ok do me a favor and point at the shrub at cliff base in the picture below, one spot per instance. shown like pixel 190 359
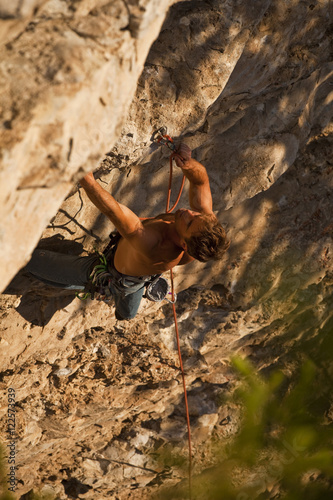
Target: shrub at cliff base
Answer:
pixel 283 449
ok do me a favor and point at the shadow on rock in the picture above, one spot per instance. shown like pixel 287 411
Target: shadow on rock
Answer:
pixel 57 243
pixel 39 302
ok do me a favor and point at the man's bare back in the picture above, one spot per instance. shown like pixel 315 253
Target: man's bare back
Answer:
pixel 162 255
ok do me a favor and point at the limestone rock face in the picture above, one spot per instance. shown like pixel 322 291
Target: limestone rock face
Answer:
pixel 67 79
pixel 248 85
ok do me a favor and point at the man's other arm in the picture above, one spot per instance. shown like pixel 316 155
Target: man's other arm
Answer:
pixel 199 192
pixel 126 221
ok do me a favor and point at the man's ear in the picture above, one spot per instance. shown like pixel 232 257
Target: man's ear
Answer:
pixel 184 246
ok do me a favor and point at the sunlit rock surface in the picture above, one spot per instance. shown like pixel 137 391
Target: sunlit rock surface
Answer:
pixel 67 78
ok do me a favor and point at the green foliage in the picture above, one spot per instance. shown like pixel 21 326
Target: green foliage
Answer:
pixel 283 447
pixel 170 457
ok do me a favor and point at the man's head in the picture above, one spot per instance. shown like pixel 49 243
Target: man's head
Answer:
pixel 202 236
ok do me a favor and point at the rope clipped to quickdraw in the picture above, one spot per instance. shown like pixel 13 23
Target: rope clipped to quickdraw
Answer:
pixel 165 139
pixel 161 137
pixel 172 156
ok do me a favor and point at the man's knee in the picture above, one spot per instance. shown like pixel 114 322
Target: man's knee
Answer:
pixel 127 316
pixel 128 306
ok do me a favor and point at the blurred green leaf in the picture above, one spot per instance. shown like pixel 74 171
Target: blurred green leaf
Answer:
pixel 283 445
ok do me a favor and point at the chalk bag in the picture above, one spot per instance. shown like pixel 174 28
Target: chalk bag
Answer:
pixel 158 290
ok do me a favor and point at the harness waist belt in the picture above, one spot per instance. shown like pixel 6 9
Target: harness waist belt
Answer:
pixel 124 279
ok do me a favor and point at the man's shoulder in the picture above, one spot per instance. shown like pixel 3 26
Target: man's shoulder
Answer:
pixel 159 218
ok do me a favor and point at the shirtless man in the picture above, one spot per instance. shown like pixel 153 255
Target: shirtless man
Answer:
pixel 153 246
pixel 156 245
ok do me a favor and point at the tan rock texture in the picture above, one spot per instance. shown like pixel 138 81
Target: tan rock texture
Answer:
pixel 67 79
pixel 248 85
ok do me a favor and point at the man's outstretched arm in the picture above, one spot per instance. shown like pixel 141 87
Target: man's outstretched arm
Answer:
pixel 126 221
pixel 200 193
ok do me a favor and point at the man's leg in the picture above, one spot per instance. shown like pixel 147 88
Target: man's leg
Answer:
pixel 60 270
pixel 127 306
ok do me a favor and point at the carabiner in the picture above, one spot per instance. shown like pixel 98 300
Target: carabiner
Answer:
pixel 160 136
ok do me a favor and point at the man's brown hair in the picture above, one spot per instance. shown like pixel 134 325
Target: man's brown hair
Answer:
pixel 209 244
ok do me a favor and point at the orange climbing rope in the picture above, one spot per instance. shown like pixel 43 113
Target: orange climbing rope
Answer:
pixel 168 210
pixel 161 137
pixel 185 392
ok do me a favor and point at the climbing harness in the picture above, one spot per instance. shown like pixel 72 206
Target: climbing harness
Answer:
pixel 104 276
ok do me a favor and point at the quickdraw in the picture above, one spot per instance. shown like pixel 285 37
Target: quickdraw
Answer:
pixel 160 136
pixel 99 273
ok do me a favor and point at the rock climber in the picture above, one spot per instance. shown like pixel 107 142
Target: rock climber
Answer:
pixel 142 249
